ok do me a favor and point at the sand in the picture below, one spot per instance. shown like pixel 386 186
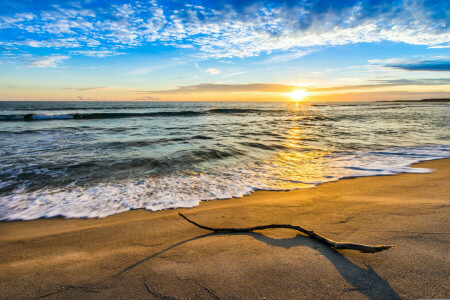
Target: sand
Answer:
pixel 141 254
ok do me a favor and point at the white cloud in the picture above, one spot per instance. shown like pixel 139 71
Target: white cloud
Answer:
pixel 213 71
pixel 59 43
pixel 46 61
pixel 25 16
pixel 440 47
pixel 287 57
pixel 226 32
pixel 97 53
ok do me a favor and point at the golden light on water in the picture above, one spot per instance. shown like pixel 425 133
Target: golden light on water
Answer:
pixel 298 95
pixel 301 164
pixel 294 137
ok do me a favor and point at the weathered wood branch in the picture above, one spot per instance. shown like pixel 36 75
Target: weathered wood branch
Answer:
pixel 310 233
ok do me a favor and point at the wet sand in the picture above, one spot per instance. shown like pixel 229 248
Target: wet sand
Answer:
pixel 141 254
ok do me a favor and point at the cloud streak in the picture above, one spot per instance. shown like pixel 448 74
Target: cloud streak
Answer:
pixel 436 65
pixel 287 88
pixel 384 83
pixel 100 88
pixel 97 53
pixel 51 61
pixel 230 88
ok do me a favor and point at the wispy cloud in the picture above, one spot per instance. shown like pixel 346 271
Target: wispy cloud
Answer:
pixel 214 87
pixel 98 53
pixel 51 61
pixel 287 56
pixel 51 43
pixel 100 88
pixel 213 71
pixel 151 68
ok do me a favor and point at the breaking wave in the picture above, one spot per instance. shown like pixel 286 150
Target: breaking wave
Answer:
pixel 183 189
pixel 114 115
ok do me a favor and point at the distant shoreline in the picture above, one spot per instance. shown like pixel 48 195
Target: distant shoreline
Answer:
pixel 423 100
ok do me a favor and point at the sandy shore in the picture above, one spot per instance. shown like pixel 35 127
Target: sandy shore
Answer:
pixel 141 254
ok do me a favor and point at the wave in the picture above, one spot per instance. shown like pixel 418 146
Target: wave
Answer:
pixel 236 110
pixel 109 115
pixel 180 189
pixel 263 146
pixel 38 106
pixel 34 117
pixel 74 108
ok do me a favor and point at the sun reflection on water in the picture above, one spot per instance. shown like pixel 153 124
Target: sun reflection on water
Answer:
pixel 302 165
pixel 294 137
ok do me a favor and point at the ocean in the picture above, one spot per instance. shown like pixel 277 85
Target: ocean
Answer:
pixel 94 159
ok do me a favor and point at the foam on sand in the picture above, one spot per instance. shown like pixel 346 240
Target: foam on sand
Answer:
pixel 287 171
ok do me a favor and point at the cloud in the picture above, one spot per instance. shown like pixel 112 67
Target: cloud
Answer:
pixel 81 98
pixel 97 53
pixel 380 83
pixel 147 98
pixel 262 70
pixel 213 87
pixel 439 47
pixel 436 64
pixel 52 43
pixel 225 29
pixel 287 56
pixel 213 71
pixel 51 61
pixel 286 88
pixel 379 96
pixel 101 88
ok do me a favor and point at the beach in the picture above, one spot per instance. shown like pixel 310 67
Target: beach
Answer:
pixel 142 254
pixel 224 149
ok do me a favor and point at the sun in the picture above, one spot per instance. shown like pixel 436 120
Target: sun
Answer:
pixel 298 95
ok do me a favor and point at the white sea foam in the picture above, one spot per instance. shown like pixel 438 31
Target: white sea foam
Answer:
pixel 286 171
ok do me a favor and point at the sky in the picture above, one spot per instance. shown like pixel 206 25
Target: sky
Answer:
pixel 236 50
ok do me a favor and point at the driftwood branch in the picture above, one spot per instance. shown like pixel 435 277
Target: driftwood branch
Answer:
pixel 310 233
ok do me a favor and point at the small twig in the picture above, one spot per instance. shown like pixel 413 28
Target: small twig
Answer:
pixel 310 233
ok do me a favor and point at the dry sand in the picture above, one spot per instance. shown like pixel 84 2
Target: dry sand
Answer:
pixel 141 254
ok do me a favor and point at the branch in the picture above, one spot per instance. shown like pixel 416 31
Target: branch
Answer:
pixel 310 233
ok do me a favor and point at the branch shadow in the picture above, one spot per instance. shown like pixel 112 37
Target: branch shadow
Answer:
pixel 160 252
pixel 366 281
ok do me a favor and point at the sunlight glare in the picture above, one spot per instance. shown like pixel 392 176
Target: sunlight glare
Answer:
pixel 298 95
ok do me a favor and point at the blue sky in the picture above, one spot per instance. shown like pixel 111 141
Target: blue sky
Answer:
pixel 224 50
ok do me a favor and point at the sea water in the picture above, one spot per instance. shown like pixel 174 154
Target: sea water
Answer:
pixel 94 159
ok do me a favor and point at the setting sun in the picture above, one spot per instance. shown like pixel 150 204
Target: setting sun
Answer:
pixel 298 95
